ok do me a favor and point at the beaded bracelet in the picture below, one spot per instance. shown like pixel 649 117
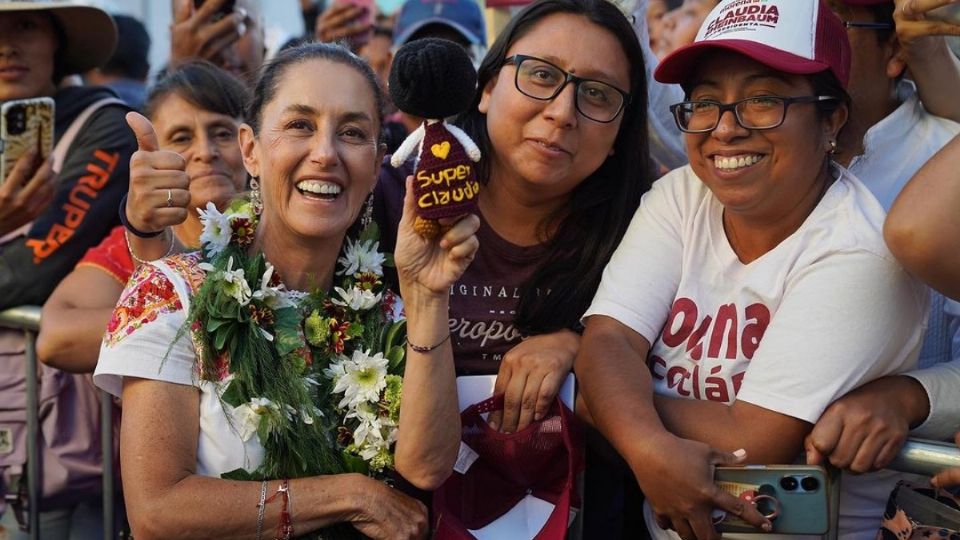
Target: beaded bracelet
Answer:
pixel 138 260
pixel 422 349
pixel 122 211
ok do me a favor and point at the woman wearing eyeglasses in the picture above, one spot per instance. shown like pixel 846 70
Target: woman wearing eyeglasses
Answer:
pixel 560 120
pixel 753 287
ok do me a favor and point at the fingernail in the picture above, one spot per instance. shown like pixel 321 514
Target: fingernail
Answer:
pixel 740 453
pixel 241 28
pixel 241 11
pixel 494 425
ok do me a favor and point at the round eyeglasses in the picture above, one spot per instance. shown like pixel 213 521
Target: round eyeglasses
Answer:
pixel 539 79
pixel 760 112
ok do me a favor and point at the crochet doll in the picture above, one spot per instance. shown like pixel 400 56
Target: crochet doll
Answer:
pixel 434 79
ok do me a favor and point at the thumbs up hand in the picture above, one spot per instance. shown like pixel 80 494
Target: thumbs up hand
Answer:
pixel 159 194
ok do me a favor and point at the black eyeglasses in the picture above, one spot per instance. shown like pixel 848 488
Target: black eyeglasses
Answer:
pixel 868 25
pixel 760 112
pixel 539 79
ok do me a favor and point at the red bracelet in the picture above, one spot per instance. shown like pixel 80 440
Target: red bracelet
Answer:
pixel 285 525
pixel 423 350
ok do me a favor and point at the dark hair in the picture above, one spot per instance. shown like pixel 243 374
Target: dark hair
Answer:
pixel 589 229
pixel 129 59
pixel 272 72
pixel 202 84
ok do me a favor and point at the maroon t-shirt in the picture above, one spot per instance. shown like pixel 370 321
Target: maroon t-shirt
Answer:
pixel 484 301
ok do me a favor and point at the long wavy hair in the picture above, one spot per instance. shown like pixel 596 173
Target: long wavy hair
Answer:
pixel 591 225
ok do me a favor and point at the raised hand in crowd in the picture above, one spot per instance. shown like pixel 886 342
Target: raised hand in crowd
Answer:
pixel 26 192
pixel 203 32
pixel 427 269
pixel 927 55
pixel 351 22
pixel 159 189
pixel 530 377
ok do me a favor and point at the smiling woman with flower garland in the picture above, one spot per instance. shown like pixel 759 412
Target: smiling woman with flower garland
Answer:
pixel 245 393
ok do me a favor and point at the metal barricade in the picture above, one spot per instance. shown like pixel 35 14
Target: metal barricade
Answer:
pixel 27 319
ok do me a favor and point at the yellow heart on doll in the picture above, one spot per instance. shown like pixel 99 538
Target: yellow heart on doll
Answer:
pixel 441 150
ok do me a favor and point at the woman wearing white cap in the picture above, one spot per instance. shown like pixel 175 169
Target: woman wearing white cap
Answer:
pixel 753 287
pixel 47 221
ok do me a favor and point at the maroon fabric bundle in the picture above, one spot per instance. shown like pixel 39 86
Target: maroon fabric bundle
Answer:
pixel 445 183
pixel 542 460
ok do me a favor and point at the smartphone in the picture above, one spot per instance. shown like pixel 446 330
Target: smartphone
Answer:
pixel 368 5
pixel 225 9
pixel 796 498
pixel 24 124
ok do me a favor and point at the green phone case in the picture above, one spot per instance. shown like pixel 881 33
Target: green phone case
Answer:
pixel 804 494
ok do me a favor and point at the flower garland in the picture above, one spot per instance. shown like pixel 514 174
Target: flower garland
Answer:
pixel 315 376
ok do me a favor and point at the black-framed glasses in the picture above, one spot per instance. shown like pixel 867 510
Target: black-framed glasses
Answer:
pixel 538 79
pixel 759 112
pixel 868 25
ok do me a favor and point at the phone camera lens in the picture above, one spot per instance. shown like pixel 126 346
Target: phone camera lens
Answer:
pixel 789 483
pixel 809 483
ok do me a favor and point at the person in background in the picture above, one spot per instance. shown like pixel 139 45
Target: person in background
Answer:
pixel 233 41
pixel 808 303
pixel 196 110
pixel 656 10
pixel 864 430
pixel 127 69
pixel 679 26
pixel 50 214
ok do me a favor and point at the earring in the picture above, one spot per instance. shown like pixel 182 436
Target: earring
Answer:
pixel 833 148
pixel 255 200
pixel 367 218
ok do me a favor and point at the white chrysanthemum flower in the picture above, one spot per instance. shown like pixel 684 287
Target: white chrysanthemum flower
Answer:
pixel 272 297
pixel 369 429
pixel 337 368
pixel 236 283
pixel 361 257
pixel 356 298
pixel 216 230
pixel 363 379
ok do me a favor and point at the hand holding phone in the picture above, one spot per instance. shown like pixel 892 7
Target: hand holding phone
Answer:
pixel 204 28
pixel 796 498
pixel 350 20
pixel 26 140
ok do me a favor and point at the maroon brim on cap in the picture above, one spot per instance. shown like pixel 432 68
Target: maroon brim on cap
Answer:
pixel 679 66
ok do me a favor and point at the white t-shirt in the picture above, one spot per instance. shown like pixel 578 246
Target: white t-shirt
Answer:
pixel 823 312
pixel 148 318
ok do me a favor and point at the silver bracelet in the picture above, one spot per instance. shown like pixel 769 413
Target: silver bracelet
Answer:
pixel 138 260
pixel 261 506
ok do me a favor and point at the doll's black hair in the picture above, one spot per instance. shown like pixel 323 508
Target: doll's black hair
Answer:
pixel 432 78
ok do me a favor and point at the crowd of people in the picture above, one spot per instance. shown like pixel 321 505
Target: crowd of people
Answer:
pixel 735 222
